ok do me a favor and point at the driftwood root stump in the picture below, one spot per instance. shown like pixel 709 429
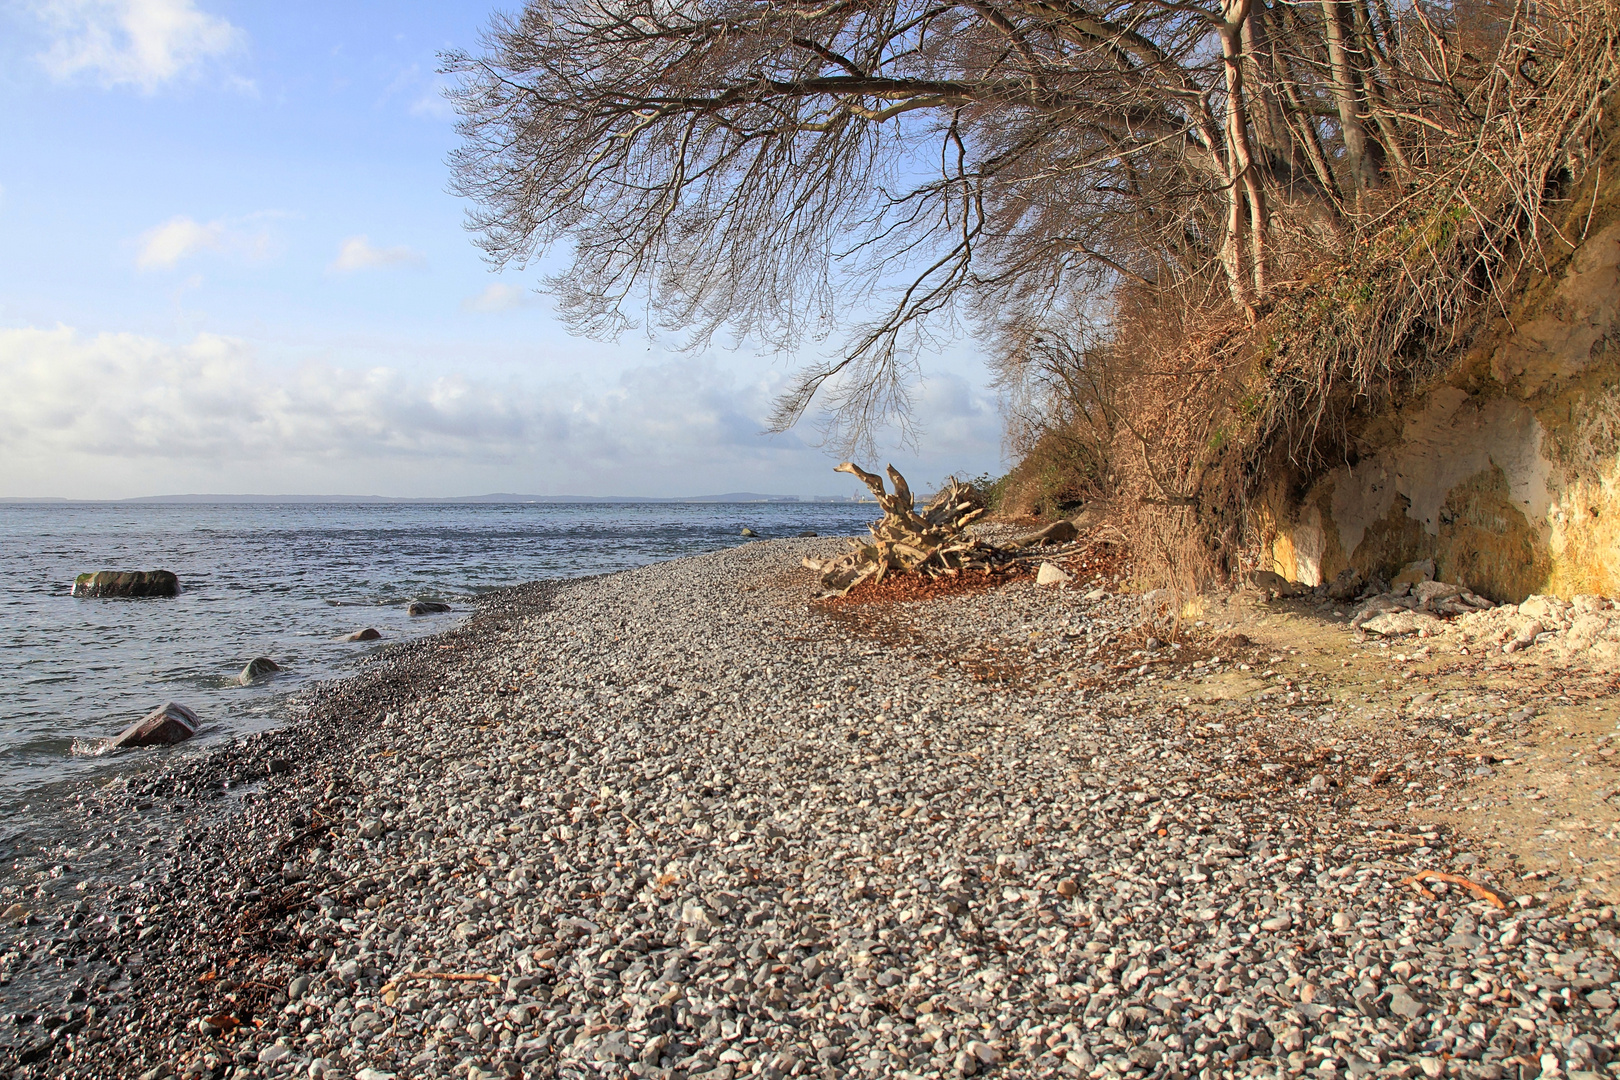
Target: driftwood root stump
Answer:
pixel 934 542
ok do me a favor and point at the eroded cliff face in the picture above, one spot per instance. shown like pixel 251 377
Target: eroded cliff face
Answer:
pixel 1507 473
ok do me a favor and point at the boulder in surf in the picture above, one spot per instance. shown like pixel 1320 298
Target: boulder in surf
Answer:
pixel 368 634
pixel 427 607
pixel 164 726
pixel 260 667
pixel 127 584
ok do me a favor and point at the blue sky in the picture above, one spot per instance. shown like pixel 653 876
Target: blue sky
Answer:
pixel 231 265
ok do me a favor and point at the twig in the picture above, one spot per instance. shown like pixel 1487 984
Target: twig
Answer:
pixel 1597 189
pixel 1490 896
pixel 448 976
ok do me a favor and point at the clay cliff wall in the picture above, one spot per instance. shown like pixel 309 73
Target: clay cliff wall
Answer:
pixel 1506 471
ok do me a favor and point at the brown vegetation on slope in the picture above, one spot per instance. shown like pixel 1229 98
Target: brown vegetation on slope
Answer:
pixel 1193 425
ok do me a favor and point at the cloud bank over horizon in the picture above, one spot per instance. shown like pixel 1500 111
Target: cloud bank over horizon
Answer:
pixel 116 414
pixel 235 267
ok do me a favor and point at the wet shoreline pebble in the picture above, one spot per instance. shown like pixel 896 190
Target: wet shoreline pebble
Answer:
pixel 676 822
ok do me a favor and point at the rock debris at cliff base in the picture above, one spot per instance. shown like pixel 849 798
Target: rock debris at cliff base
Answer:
pixel 688 825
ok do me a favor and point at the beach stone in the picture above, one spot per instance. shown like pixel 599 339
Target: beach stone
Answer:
pixel 1413 573
pixel 166 725
pixel 1052 574
pixel 368 634
pixel 1346 584
pixel 1432 592
pixel 1524 636
pixel 1402 1003
pixel 127 584
pixel 1548 609
pixel 260 667
pixel 748 532
pixel 1400 623
pixel 987 1054
pixel 427 607
pixel 1271 581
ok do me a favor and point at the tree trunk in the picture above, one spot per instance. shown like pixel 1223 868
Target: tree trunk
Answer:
pixel 1358 158
pixel 1261 81
pixel 1243 167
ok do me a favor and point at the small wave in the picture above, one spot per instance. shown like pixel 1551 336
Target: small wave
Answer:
pixel 90 747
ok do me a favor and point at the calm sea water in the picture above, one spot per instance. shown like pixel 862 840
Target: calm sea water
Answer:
pixel 283 581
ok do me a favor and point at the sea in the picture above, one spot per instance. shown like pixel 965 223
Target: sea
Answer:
pixel 284 581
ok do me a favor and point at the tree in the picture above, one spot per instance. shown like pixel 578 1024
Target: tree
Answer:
pixel 770 165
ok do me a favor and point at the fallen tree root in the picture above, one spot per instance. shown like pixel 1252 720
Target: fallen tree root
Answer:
pixel 1490 896
pixel 934 543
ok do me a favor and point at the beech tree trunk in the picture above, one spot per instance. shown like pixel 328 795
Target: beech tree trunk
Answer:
pixel 1357 149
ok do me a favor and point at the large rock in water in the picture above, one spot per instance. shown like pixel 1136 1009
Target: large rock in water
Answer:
pixel 260 667
pixel 427 607
pixel 370 633
pixel 127 583
pixel 163 726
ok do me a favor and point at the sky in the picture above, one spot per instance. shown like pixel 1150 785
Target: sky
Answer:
pixel 231 264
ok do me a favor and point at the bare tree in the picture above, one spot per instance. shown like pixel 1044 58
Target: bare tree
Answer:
pixel 770 167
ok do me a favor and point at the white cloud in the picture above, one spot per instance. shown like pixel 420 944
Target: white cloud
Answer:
pixel 358 253
pixel 180 237
pixel 432 103
pixel 426 91
pixel 144 43
pixel 500 297
pixel 125 414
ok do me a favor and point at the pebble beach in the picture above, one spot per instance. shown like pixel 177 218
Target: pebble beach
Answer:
pixel 681 822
